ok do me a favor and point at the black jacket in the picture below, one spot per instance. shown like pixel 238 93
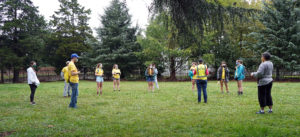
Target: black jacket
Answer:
pixel 219 73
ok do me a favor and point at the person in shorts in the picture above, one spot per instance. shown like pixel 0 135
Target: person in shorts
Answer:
pixel 99 78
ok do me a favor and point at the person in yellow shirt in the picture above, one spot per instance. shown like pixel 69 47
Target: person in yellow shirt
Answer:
pixel 193 68
pixel 223 76
pixel 73 80
pixel 201 77
pixel 65 76
pixel 116 73
pixel 99 78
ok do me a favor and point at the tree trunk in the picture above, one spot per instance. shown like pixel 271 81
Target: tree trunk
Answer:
pixel 172 69
pixel 277 73
pixel 2 75
pixel 16 75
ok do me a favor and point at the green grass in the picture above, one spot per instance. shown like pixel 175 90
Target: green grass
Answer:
pixel 171 111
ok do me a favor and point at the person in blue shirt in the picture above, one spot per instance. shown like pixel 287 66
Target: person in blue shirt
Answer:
pixel 239 75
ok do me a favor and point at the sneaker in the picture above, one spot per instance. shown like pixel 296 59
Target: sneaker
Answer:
pixel 270 111
pixel 260 112
pixel 33 103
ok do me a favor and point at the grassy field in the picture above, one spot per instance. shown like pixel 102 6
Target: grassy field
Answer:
pixel 171 111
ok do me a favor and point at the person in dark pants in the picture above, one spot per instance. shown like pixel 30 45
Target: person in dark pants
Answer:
pixel 33 81
pixel 265 81
pixel 201 77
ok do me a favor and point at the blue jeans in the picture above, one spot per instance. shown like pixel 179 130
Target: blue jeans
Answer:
pixel 74 95
pixel 202 84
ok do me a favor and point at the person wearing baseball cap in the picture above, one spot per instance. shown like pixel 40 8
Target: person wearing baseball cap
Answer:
pixel 65 75
pixel 73 79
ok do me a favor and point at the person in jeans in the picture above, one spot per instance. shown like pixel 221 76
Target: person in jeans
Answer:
pixel 223 76
pixel 65 75
pixel 73 79
pixel 33 81
pixel 239 75
pixel 201 80
pixel 265 81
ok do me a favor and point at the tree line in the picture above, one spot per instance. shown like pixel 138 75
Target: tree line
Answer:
pixel 179 32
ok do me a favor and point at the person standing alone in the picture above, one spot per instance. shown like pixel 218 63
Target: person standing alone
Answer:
pixel 265 82
pixel 65 75
pixel 201 77
pixel 74 80
pixel 33 81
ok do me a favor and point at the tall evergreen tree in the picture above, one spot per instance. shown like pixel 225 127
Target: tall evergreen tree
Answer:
pixel 281 35
pixel 70 31
pixel 21 29
pixel 117 40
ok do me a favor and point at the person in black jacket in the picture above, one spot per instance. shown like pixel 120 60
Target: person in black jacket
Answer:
pixel 223 76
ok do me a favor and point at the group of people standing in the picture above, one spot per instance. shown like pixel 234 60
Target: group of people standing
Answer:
pixel 198 73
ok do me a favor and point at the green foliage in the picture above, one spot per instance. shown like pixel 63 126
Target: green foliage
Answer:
pixel 162 45
pixel 117 41
pixel 281 35
pixel 70 32
pixel 22 34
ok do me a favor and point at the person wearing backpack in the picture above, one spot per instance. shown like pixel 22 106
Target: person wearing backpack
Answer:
pixel 65 75
pixel 239 75
pixel 223 76
pixel 201 74
pixel 33 81
pixel 150 77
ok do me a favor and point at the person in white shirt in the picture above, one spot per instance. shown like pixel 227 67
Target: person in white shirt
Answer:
pixel 33 81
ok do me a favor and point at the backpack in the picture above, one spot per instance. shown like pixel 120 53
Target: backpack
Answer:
pixel 150 71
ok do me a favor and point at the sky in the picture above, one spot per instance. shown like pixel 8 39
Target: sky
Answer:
pixel 137 8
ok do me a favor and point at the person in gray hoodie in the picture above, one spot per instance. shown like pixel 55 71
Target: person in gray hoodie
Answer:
pixel 265 81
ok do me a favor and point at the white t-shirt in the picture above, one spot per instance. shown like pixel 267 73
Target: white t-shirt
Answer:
pixel 31 77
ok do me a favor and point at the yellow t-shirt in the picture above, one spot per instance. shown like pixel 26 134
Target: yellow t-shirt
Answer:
pixel 66 73
pixel 223 73
pixel 72 68
pixel 201 70
pixel 115 71
pixel 194 76
pixel 99 72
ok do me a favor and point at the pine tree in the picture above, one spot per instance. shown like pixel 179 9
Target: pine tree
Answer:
pixel 281 37
pixel 70 31
pixel 21 29
pixel 117 40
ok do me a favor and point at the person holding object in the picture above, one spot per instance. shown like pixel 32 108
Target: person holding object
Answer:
pixel 223 76
pixel 73 79
pixel 265 81
pixel 99 78
pixel 116 77
pixel 33 81
pixel 201 77
pixel 191 74
pixel 239 75
pixel 155 77
pixel 65 75
pixel 150 74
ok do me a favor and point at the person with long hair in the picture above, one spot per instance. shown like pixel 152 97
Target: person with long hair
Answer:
pixel 99 78
pixel 265 81
pixel 65 75
pixel 33 81
pixel 239 75
pixel 150 77
pixel 193 77
pixel 116 73
pixel 223 76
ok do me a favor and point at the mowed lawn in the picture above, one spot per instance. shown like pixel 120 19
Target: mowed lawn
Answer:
pixel 171 111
